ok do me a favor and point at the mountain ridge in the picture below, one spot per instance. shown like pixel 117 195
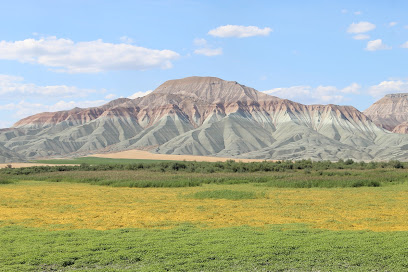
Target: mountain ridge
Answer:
pixel 207 116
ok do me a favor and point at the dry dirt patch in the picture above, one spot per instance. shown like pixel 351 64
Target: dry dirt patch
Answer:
pixel 145 155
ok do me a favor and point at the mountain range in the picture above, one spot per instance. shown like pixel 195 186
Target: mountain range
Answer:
pixel 212 117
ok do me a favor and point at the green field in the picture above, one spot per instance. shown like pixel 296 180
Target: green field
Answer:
pixel 191 216
pixel 280 248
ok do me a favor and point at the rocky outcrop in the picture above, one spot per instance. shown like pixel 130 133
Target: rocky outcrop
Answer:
pixel 401 128
pixel 390 111
pixel 208 116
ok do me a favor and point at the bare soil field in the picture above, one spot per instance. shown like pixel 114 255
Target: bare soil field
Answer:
pixel 145 155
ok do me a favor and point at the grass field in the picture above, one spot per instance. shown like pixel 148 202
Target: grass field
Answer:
pixel 149 220
pixel 279 248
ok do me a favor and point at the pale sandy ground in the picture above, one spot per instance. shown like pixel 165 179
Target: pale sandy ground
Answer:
pixel 27 164
pixel 139 154
pixel 145 155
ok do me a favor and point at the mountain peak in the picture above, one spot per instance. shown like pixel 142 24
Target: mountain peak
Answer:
pixel 389 111
pixel 397 95
pixel 211 90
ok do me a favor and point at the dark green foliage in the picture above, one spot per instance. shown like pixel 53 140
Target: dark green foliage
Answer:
pixel 191 249
pixel 202 167
pixel 4 180
pixel 396 164
pixel 349 162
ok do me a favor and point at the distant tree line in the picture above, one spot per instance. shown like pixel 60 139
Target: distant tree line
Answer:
pixel 212 167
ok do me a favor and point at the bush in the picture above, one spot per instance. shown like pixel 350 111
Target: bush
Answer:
pixel 5 181
pixel 396 164
pixel 349 162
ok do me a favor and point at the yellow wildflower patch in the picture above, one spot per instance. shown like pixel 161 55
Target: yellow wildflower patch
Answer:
pixel 83 206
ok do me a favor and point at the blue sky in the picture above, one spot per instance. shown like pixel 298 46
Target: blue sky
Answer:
pixel 55 55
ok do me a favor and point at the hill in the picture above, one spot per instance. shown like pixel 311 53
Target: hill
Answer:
pixel 207 116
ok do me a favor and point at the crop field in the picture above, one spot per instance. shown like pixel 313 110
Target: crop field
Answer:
pixel 168 217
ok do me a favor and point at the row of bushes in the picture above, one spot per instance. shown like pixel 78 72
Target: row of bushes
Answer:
pixel 211 167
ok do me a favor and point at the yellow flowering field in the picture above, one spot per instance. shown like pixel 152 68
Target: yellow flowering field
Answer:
pixel 81 206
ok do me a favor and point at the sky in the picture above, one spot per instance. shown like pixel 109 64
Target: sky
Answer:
pixel 57 55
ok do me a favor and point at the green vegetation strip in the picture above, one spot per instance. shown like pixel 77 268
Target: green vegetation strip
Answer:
pixel 225 194
pixel 143 178
pixel 286 174
pixel 190 249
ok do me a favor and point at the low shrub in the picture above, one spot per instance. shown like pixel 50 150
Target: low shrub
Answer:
pixel 5 181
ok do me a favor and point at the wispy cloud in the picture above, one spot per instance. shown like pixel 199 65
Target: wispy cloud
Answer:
pixel 360 27
pixel 200 42
pixel 96 56
pixel 388 87
pixel 391 24
pixel 209 52
pixel 126 39
pixel 238 31
pixel 5 124
pixel 361 37
pixel 24 109
pixel 206 49
pixel 16 86
pixel 139 94
pixel 377 45
pixel 405 45
pixel 315 95
pixel 110 96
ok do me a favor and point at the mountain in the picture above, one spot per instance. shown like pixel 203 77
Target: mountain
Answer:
pixel 6 155
pixel 390 112
pixel 207 116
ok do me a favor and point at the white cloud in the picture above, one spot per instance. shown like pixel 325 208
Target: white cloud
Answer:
pixel 353 88
pixel 388 87
pixel 318 95
pixel 126 39
pixel 344 11
pixel 358 13
pixel 110 96
pixel 139 94
pixel 206 49
pixel 377 45
pixel 85 57
pixel 361 37
pixel 24 109
pixel 360 27
pixel 391 24
pixel 5 124
pixel 200 42
pixel 406 27
pixel 13 85
pixel 238 31
pixel 405 45
pixel 209 52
